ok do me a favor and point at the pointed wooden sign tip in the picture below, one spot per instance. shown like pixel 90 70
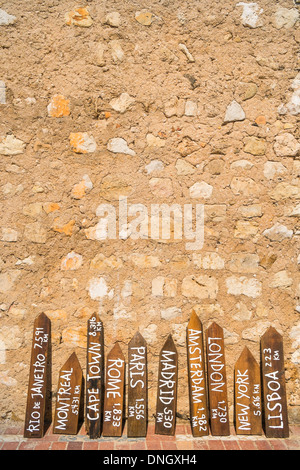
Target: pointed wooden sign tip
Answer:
pixel 42 317
pixel 193 317
pixel 194 314
pixel 137 336
pixel 94 316
pixel 169 341
pixel 271 331
pixel 116 349
pixel 246 352
pixel 72 359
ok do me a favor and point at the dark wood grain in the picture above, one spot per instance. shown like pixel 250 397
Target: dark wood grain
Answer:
pixel 217 381
pixel 197 379
pixel 137 387
pixel 247 395
pixel 166 407
pixel 38 408
pixel 69 397
pixel 114 393
pixel 94 396
pixel 275 417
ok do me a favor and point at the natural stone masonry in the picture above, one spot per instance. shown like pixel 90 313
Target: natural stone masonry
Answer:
pixel 111 109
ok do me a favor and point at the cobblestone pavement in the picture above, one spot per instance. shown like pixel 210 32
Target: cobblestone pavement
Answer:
pixel 11 438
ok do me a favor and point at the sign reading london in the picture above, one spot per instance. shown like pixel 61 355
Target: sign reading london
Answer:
pixel 217 382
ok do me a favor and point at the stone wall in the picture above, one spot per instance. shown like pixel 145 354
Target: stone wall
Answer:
pixel 188 103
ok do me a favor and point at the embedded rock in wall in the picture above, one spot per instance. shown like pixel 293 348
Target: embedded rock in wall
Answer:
pixel 10 145
pixel 285 17
pixel 244 286
pixel 201 287
pixel 6 19
pixel 293 105
pixel 286 145
pixel 251 14
pixel 82 142
pixel 234 112
pixel 79 17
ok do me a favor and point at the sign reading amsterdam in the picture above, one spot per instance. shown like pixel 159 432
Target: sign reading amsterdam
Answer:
pixel 94 377
pixel 196 376
pixel 68 400
pixel 167 389
pixel 137 387
pixel 247 395
pixel 38 409
pixel 273 380
pixel 217 383
pixel 114 393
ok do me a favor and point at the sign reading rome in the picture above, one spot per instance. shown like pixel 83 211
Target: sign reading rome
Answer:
pixel 114 393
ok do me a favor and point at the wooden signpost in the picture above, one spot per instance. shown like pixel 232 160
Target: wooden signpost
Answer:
pixel 137 387
pixel 94 377
pixel 217 382
pixel 114 393
pixel 273 381
pixel 69 398
pixel 197 379
pixel 166 406
pixel 247 395
pixel 38 409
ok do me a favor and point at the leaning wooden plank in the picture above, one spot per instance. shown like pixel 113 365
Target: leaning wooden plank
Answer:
pixel 217 381
pixel 114 393
pixel 137 387
pixel 38 408
pixel 274 389
pixel 197 379
pixel 165 421
pixel 69 398
pixel 94 377
pixel 247 395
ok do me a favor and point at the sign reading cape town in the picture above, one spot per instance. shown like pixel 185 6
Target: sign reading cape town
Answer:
pixel 39 387
pixel 273 380
pixel 94 377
